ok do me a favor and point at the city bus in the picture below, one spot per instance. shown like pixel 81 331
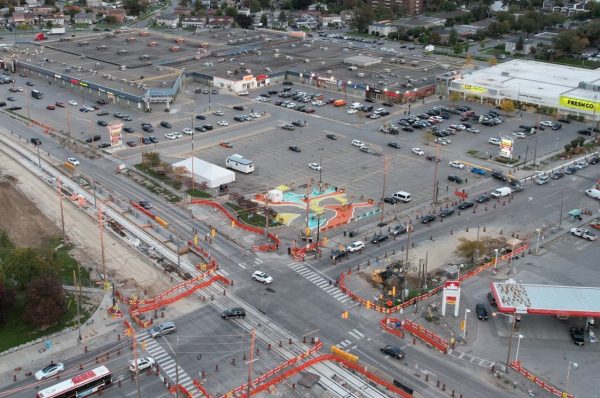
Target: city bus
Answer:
pixel 82 385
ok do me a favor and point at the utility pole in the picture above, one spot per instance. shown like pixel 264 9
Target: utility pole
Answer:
pixel 78 292
pixel 386 166
pixel 267 213
pixel 100 223
pixel 435 172
pixel 536 140
pixel 250 361
pixel 193 175
pixel 307 211
pixel 562 199
pixel 177 367
pixel 62 214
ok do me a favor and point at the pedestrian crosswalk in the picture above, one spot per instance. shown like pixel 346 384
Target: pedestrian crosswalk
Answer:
pixel 254 263
pixel 166 363
pixel 346 343
pixel 319 281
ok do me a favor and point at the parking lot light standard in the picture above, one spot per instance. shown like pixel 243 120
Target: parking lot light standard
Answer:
pixel 512 328
pixel 518 346
pixel 571 364
pixel 464 336
pixel 537 244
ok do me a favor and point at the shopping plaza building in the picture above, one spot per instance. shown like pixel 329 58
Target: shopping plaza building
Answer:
pixel 567 89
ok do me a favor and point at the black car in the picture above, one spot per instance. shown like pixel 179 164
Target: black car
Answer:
pixel 11 99
pixel 482 198
pixel 446 213
pixel 145 204
pixel 2 103
pixel 366 108
pixel 153 139
pixel 408 129
pixel 482 313
pixel 94 138
pixel 428 219
pixel 102 102
pixel 295 148
pixel 331 136
pixel 165 124
pixel 556 174
pixel 36 141
pixel 337 254
pixel 272 92
pixel 208 126
pixel 371 100
pixel 238 107
pixel 148 129
pixel 594 160
pixel 131 143
pixel 571 170
pixel 236 312
pixel 200 117
pixel 146 141
pixel 378 238
pixel 104 145
pixel 128 129
pixel 556 126
pixel 103 113
pixel 455 178
pixel 299 123
pixel 102 123
pixel 398 230
pixel 14 108
pixel 465 205
pixel 577 335
pixel 391 200
pixel 394 145
pixel 564 120
pixel 200 129
pixel 585 132
pixel 389 104
pixel 499 176
pixel 393 351
pixel 239 118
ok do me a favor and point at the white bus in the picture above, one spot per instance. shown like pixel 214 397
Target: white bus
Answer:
pixel 239 163
pixel 82 385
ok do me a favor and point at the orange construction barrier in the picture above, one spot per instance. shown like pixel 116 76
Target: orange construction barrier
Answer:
pixel 429 337
pixel 392 325
pixel 516 365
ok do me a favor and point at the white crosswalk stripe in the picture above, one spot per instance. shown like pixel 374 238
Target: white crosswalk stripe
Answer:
pixel 354 334
pixel 258 261
pixel 358 333
pixel 318 280
pixel 242 266
pixel 222 272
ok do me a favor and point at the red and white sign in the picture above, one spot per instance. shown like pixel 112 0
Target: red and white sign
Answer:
pixel 451 295
pixel 114 133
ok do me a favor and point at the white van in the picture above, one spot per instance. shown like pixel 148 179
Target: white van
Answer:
pixel 402 196
pixel 501 192
pixel 593 193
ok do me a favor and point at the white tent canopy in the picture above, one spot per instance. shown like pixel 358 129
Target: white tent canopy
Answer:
pixel 210 173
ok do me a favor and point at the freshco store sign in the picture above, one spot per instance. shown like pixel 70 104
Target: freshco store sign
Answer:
pixel 580 104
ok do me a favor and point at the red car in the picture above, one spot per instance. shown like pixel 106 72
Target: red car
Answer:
pixel 51 107
pixel 309 110
pixel 226 144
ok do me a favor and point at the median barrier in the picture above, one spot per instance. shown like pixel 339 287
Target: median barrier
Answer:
pixel 516 365
pixel 427 336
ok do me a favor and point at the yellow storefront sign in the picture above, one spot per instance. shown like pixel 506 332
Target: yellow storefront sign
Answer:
pixel 579 104
pixel 476 89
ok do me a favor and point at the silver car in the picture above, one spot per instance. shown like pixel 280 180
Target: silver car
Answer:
pixel 162 329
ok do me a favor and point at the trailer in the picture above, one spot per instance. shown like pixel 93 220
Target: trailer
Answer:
pixel 239 163
pixel 57 31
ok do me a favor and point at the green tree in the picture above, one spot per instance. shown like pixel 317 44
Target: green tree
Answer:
pixel 264 21
pixel 520 44
pixel 362 17
pixel 7 302
pixel 254 6
pixel 45 301
pixel 470 250
pixel 282 17
pixel 301 4
pixel 135 7
pixel 184 3
pixel 152 159
pixel 244 21
pixel 492 61
pixel 507 106
pixel 110 19
pixel 452 38
pixel 24 264
pixel 231 12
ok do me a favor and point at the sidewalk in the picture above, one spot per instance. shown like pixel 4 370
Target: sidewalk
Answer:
pixel 99 330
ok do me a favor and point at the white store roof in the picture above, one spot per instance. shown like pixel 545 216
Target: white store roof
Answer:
pixel 547 299
pixel 210 173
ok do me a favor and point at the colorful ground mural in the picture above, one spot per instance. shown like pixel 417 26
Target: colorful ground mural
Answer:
pixel 332 204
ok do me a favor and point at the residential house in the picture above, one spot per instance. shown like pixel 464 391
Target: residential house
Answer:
pixel 169 20
pixel 220 22
pixel 346 16
pixel 57 19
pixel 118 13
pixel 244 11
pixel 317 7
pixel 93 3
pixel 567 9
pixel 182 10
pixel 193 22
pixel 84 18
pixel 510 46
pixel 330 20
pixel 420 22
pixel 306 21
pixel 382 28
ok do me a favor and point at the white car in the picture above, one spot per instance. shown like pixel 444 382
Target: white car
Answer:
pixel 547 123
pixel 171 136
pixel 142 364
pixel 375 116
pixel 49 371
pixel 218 113
pixel 223 123
pixel 418 151
pixel 254 115
pixel 352 111
pixel 580 164
pixel 355 246
pixel 73 102
pixel 456 164
pixel 473 130
pixel 73 161
pixel 583 233
pixel 291 105
pixel 520 134
pixel 358 143
pixel 494 141
pixel 242 93
pixel 315 166
pixel 458 127
pixel 263 277
pixel 188 131
pixel 442 141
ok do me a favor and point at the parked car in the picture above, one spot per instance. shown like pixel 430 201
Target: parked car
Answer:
pixel 456 179
pixel 235 312
pixel 456 164
pixel 465 205
pixel 577 335
pixel 583 233
pixel 446 212
pixel 428 219
pixel 482 198
pixel 337 254
pixel 477 170
pixel 294 148
pixel 398 230
pixel 331 136
pixel 378 238
pixel 165 124
pixel 355 246
pixel 49 371
pixel 390 200
pixel 418 151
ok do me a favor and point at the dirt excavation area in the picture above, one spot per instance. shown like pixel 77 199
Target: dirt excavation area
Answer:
pixel 30 214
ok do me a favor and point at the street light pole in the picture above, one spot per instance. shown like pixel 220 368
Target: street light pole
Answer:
pixel 518 346
pixel 537 245
pixel 512 328
pixel 574 364
pixel 496 261
pixel 464 336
